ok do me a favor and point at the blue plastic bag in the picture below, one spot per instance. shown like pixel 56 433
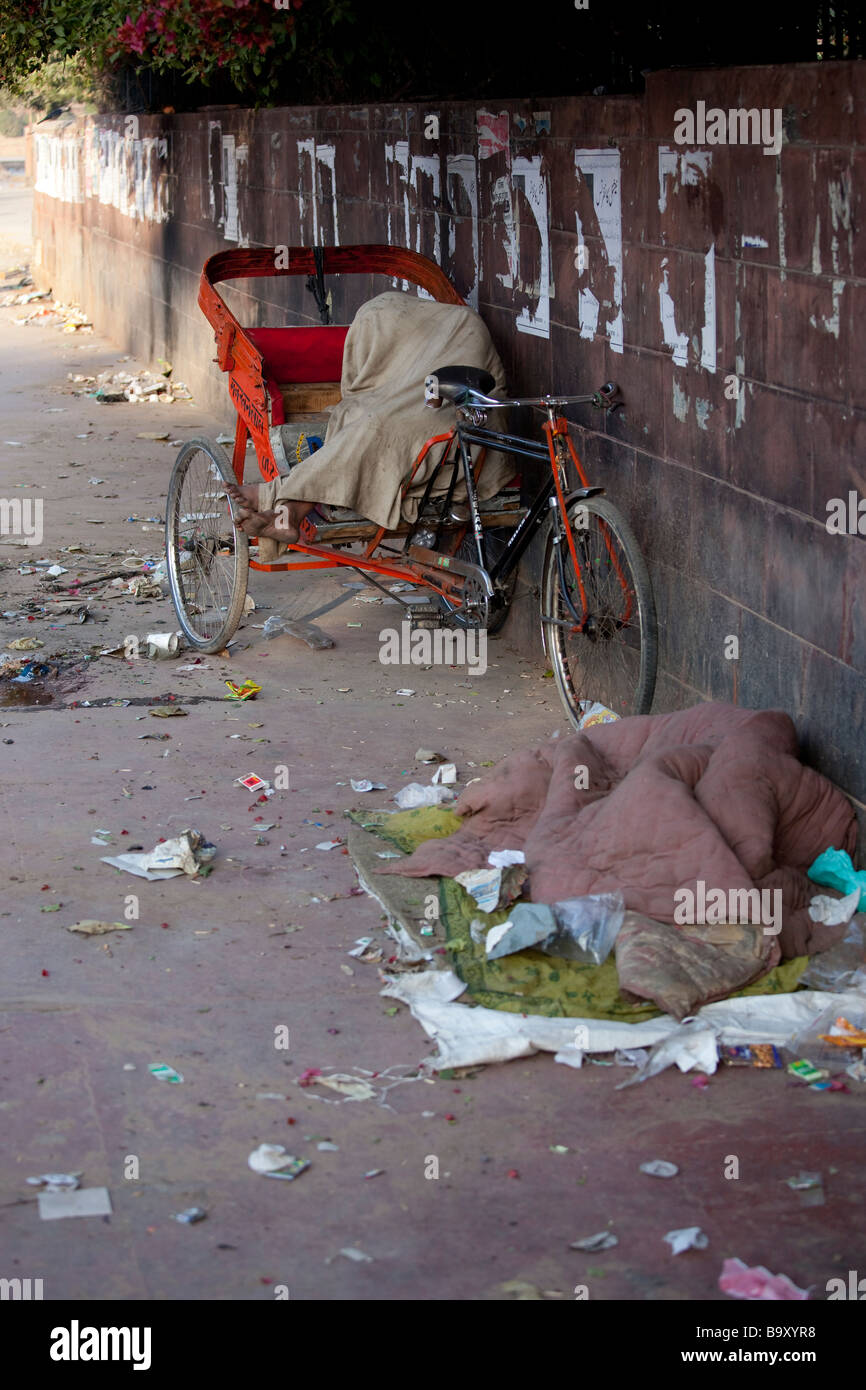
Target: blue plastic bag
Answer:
pixel 835 869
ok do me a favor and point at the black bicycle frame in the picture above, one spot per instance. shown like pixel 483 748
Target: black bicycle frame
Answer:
pixel 522 534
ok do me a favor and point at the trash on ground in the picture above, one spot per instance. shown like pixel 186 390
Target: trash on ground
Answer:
pixel 605 1240
pixel 55 1182
pixel 84 1201
pixel 757 1283
pixel 348 1086
pixel 92 927
pixel 810 1187
pixel 688 1238
pixel 326 1147
pixel 164 1072
pixel 352 1253
pixel 806 1071
pixel 275 626
pixel 253 783
pixel 445 775
pixel 329 844
pixel 762 1055
pixel 272 1161
pixel 659 1168
pixel 365 785
pixel 190 1216
pixel 247 691
pixel 427 755
pixel 161 646
pixel 25 644
pixel 188 853
pixel 414 794
pixel 167 711
pixel 593 713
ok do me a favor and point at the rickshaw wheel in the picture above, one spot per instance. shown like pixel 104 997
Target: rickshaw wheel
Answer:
pixel 208 556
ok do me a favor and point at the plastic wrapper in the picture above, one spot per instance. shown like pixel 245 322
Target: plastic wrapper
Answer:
pixel 835 869
pixel 843 967
pixel 812 1040
pixel 586 927
pixel 275 626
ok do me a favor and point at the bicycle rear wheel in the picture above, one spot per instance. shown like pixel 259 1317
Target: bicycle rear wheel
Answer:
pixel 494 543
pixel 208 556
pixel 611 657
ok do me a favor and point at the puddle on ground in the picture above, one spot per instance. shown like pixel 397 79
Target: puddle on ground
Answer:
pixel 17 695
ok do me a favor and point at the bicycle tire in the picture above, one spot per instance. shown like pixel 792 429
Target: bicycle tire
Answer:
pixel 628 686
pixel 219 550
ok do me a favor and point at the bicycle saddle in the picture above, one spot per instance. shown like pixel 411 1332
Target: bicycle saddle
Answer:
pixel 452 384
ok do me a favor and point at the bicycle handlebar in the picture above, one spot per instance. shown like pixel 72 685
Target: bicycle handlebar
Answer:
pixel 435 392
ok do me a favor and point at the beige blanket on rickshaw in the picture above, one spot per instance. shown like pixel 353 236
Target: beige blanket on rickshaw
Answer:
pixel 381 424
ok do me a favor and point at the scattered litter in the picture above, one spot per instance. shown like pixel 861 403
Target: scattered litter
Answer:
pixel 348 1086
pixel 374 1173
pixel 164 1072
pixel 504 858
pixel 388 854
pixel 248 691
pixel 834 869
pixel 593 713
pixel 161 646
pixel 275 626
pixel 253 783
pixel 167 711
pixel 272 1161
pixel 414 794
pixel 329 844
pixel 85 1201
pixel 757 1283
pixel 91 927
pixel 605 1240
pixel 362 944
pixel 659 1168
pixel 427 755
pixel 352 1253
pixel 445 774
pixel 365 785
pixel 688 1238
pixel 763 1055
pixel 630 1056
pixel 25 644
pixel 587 927
pixel 404 692
pixel 158 436
pixel 806 1071
pixel 530 924
pixel 190 1216
pixel 326 1147
pixel 189 853
pixel 834 911
pixel 55 1182
pixel 810 1186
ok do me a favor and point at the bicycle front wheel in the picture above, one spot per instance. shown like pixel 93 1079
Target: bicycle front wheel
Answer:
pixel 599 623
pixel 208 556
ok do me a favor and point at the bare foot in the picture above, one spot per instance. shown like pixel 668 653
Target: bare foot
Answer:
pixel 283 524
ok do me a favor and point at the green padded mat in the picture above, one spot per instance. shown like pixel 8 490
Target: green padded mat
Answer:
pixel 528 981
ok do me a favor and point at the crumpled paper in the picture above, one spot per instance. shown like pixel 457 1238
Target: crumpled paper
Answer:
pixel 186 854
pixel 757 1283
